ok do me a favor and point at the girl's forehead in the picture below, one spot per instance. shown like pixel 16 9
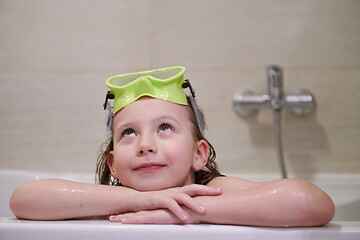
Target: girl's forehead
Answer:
pixel 152 107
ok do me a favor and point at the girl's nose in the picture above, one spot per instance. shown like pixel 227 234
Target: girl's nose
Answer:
pixel 146 145
pixel 141 152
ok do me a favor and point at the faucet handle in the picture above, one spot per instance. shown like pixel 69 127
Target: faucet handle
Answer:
pixel 246 103
pixel 301 102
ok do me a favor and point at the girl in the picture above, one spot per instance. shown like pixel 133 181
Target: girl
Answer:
pixel 159 169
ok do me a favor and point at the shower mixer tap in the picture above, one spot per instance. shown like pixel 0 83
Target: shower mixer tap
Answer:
pixel 300 102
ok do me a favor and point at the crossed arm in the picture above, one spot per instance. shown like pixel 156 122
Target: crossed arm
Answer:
pixel 289 202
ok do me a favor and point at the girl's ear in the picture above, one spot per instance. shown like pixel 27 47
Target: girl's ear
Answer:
pixel 202 155
pixel 110 163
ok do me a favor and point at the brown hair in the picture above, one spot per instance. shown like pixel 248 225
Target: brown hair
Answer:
pixel 204 176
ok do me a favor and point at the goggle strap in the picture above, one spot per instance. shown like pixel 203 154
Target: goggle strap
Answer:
pixel 109 95
pixel 110 118
pixel 187 84
pixel 107 106
pixel 199 120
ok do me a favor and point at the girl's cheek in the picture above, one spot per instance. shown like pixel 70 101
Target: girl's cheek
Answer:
pixel 123 152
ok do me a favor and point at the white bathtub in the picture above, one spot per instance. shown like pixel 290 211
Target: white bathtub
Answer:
pixel 345 191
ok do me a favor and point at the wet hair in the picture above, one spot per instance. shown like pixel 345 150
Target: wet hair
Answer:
pixel 204 176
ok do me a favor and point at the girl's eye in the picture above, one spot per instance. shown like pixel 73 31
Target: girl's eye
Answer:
pixel 165 127
pixel 128 132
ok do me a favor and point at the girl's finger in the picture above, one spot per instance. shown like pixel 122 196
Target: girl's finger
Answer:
pixel 161 216
pixel 175 208
pixel 117 218
pixel 195 189
pixel 191 203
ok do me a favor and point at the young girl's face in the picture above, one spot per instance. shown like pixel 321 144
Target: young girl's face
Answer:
pixel 154 146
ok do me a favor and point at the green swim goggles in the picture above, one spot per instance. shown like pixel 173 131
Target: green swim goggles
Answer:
pixel 166 84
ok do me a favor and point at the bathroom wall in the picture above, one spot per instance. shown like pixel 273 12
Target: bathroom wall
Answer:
pixel 56 55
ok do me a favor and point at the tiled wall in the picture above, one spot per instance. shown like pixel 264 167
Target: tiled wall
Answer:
pixel 55 56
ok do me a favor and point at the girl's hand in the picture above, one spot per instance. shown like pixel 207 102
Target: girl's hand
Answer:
pixel 172 198
pixel 159 216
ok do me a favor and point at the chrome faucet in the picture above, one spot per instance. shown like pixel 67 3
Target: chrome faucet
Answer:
pixel 301 103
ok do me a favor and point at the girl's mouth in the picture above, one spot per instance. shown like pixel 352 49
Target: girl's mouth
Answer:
pixel 149 167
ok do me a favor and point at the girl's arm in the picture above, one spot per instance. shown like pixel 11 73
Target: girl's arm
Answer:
pixel 55 199
pixel 281 203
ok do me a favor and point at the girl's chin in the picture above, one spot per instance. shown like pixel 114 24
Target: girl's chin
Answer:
pixel 156 184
